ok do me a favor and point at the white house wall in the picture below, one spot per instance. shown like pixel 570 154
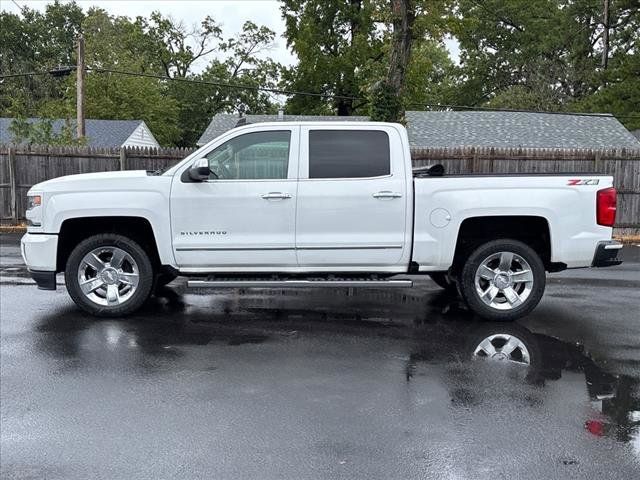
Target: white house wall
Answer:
pixel 141 137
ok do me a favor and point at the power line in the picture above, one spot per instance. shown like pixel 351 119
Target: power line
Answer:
pixel 16 4
pixel 65 69
pixel 237 86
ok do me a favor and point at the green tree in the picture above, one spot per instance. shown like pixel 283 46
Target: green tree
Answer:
pixel 382 55
pixel 43 133
pixel 416 66
pixel 114 42
pixel 240 62
pixel 334 41
pixel 35 41
pixel 618 85
pixel 548 54
pixel 178 46
pixel 176 112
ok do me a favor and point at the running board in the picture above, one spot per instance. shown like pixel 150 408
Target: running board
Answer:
pixel 293 283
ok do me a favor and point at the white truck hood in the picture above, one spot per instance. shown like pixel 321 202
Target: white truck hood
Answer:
pixel 90 181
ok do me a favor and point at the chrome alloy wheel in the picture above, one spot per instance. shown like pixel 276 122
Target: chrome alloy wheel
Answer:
pixel 504 280
pixel 503 347
pixel 108 276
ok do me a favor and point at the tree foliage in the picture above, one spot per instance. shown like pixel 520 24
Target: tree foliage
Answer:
pixel 176 112
pixel 43 133
pixel 346 49
pixel 334 40
pixel 377 57
pixel 547 54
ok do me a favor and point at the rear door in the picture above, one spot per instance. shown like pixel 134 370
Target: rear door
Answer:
pixel 352 201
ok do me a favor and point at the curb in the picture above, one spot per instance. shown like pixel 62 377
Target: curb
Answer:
pixel 13 229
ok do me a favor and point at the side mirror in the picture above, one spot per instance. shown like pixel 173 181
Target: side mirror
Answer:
pixel 199 171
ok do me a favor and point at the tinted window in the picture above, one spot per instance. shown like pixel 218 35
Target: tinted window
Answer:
pixel 348 153
pixel 252 156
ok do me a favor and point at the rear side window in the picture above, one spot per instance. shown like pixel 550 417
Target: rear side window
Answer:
pixel 348 153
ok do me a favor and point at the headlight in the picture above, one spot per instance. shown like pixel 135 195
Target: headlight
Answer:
pixel 34 201
pixel 33 213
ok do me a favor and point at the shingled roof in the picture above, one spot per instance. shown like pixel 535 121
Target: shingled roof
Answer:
pixel 99 133
pixel 517 129
pixel 480 129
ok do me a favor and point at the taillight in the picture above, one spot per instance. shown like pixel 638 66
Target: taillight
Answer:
pixel 606 207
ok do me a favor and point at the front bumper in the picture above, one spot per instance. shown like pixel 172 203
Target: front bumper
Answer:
pixel 40 252
pixel 607 254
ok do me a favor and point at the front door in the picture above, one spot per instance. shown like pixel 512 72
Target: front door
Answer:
pixel 243 217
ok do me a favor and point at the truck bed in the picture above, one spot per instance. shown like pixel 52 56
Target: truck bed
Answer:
pixel 566 201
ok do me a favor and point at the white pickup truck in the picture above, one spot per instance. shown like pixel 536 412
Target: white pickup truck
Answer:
pixel 321 204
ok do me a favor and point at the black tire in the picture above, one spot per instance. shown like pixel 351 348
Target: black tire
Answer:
pixel 145 283
pixel 468 287
pixel 444 281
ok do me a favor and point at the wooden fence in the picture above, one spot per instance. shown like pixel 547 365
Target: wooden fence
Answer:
pixel 21 167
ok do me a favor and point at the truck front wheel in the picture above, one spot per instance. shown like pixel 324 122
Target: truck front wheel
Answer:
pixel 109 275
pixel 502 280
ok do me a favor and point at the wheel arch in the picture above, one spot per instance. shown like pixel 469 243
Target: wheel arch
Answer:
pixel 74 230
pixel 532 230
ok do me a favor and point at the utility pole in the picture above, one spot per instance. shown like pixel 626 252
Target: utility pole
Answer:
pixel 605 35
pixel 80 88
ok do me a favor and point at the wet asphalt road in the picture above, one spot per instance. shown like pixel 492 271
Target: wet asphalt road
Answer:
pixel 320 384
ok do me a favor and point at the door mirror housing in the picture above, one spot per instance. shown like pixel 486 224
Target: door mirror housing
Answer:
pixel 199 170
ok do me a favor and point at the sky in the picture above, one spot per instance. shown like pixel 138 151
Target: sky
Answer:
pixel 230 14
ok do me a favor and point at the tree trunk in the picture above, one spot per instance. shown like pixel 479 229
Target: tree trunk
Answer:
pixel 605 35
pixel 403 18
pixel 344 107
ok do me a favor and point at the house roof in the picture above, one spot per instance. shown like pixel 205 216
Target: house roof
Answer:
pixel 636 133
pixel 480 129
pixel 223 122
pixel 99 133
pixel 517 129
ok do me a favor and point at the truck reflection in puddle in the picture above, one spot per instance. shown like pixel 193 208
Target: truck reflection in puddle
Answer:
pixel 516 353
pixel 489 369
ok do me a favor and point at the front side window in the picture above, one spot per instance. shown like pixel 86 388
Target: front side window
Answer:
pixel 348 153
pixel 252 156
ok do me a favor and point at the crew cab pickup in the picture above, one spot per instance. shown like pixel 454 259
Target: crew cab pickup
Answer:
pixel 320 204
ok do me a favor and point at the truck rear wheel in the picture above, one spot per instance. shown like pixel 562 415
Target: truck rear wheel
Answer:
pixel 109 275
pixel 502 280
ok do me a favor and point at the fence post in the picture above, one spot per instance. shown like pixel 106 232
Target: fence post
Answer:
pixel 13 185
pixel 123 158
pixel 475 167
pixel 597 161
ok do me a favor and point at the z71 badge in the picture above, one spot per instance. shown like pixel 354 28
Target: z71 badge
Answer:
pixel 585 181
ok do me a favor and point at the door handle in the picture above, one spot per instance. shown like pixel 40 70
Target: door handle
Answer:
pixel 275 195
pixel 387 194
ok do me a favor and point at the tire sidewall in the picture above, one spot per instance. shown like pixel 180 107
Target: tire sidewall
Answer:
pixel 145 269
pixel 467 279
